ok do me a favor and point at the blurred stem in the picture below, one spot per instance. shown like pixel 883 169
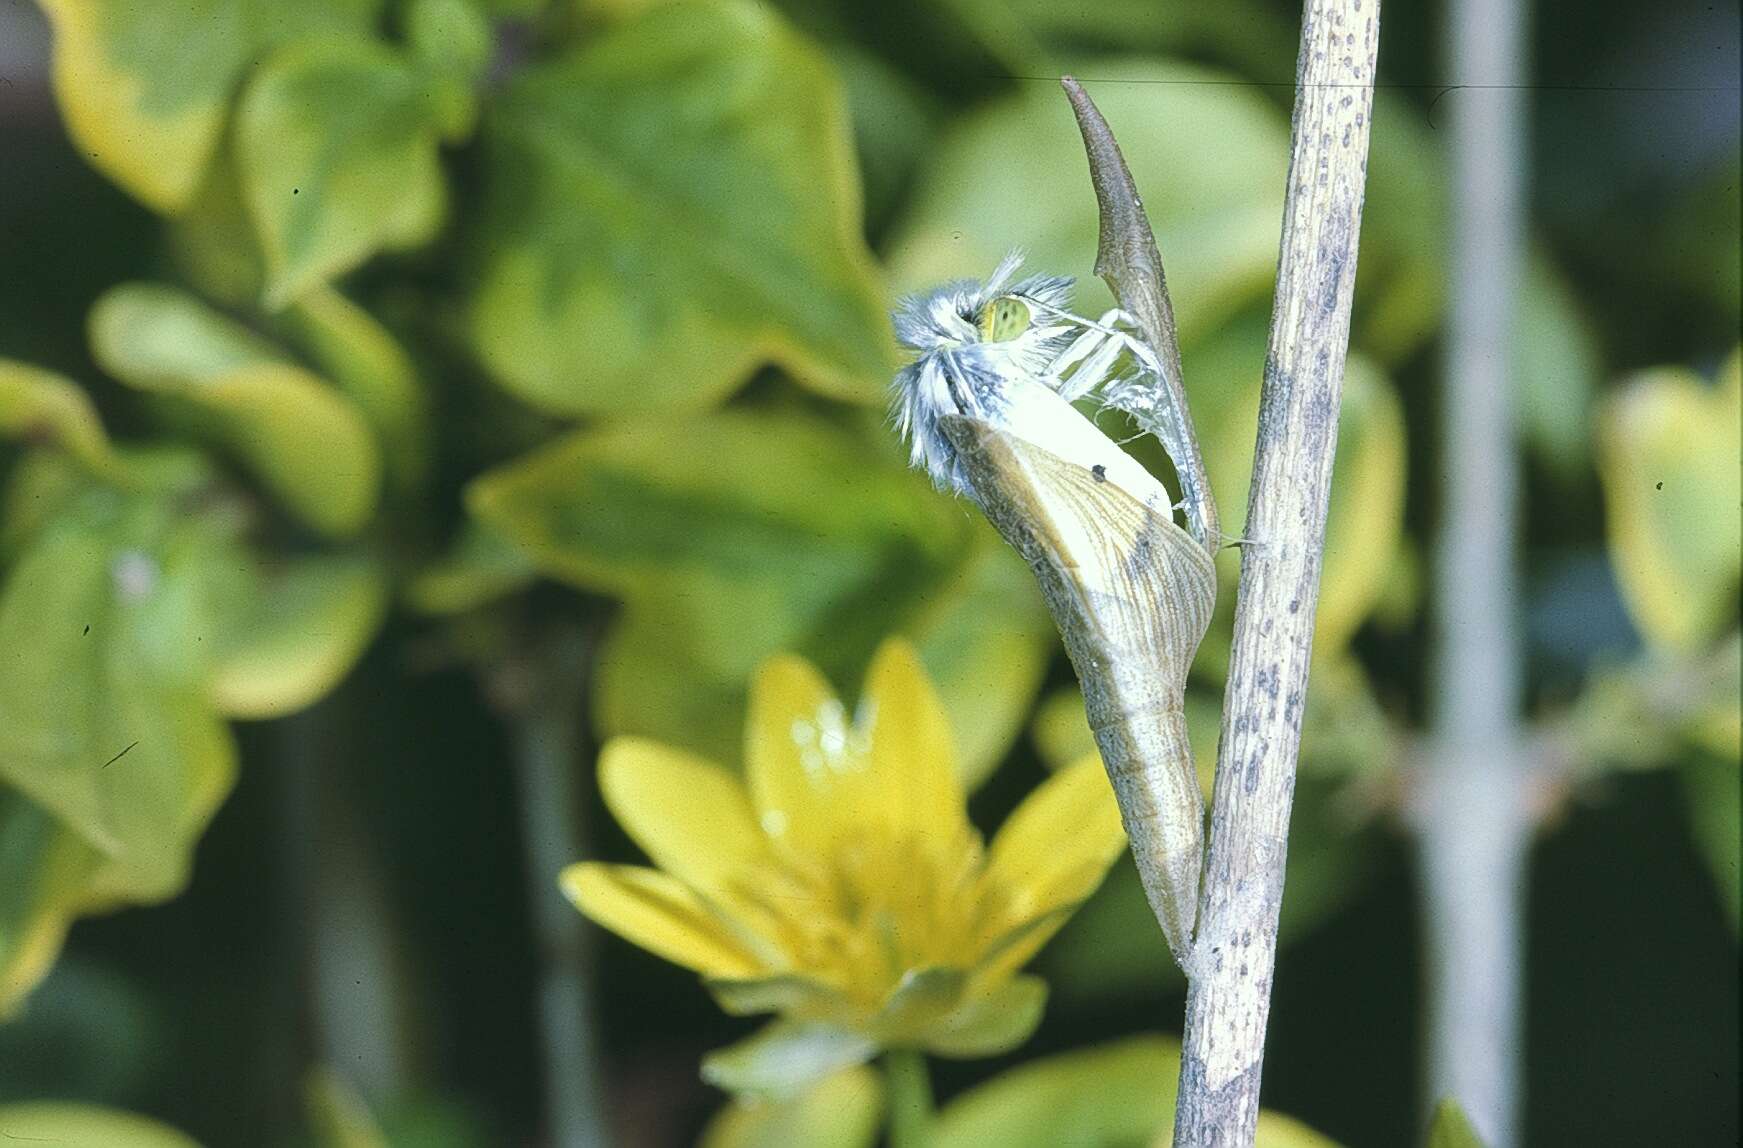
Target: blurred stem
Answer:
pixel 1228 998
pixel 1473 806
pixel 910 1086
pixel 355 993
pixel 543 694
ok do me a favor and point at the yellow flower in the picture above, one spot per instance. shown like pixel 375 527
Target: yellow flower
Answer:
pixel 840 883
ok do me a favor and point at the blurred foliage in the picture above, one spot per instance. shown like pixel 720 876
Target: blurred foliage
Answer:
pixel 844 1110
pixel 86 1126
pixel 1450 1128
pixel 467 317
pixel 1109 1097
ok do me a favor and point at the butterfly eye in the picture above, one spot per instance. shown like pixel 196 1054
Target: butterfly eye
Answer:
pixel 1004 318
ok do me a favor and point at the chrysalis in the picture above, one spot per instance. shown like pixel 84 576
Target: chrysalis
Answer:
pixel 986 406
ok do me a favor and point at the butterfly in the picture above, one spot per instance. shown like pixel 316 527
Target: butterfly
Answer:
pixel 986 406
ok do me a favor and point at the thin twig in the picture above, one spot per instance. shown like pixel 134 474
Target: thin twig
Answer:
pixel 1473 810
pixel 1229 998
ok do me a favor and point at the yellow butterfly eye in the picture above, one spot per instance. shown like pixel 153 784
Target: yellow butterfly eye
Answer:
pixel 1004 318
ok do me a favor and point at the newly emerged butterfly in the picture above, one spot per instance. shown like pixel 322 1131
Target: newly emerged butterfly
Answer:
pixel 987 408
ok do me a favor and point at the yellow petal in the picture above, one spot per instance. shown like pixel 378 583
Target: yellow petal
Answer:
pixel 690 816
pixel 660 914
pixel 913 757
pixel 1056 848
pixel 805 763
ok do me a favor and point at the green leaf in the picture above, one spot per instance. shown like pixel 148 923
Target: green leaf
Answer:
pixel 1450 1128
pixel 986 641
pixel 364 360
pixel 1713 792
pixel 305 441
pixel 338 1113
pixel 1365 525
pixel 1670 455
pixel 480 566
pixel 212 242
pixel 820 542
pixel 1401 290
pixel 451 42
pixel 450 36
pixel 1241 31
pixel 1555 368
pixel 784 1057
pixel 118 740
pixel 45 877
pixel 736 535
pixel 144 85
pixel 86 1126
pixel 991 1023
pixel 287 636
pixel 1118 1095
pixel 1014 175
pixel 670 207
pixel 843 1110
pixel 337 149
pixel 922 999
pixel 791 994
pixel 43 407
pixel 1110 949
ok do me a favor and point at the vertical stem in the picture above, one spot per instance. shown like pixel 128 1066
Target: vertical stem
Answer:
pixel 910 1089
pixel 354 989
pixel 1229 993
pixel 549 755
pixel 1474 828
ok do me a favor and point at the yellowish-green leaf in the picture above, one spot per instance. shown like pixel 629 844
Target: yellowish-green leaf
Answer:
pixel 41 406
pixel 340 1117
pixel 1670 457
pixel 1365 524
pixel 306 441
pixel 288 635
pixel 67 1125
pixel 670 207
pixel 1451 1129
pixel 1713 792
pixel 1107 951
pixel 118 741
pixel 986 643
pixel 1555 368
pixel 337 149
pixel 991 1023
pixel 738 535
pixel 1014 175
pixel 161 338
pixel 144 84
pixel 785 1057
pixel 364 360
pixel 45 876
pixel 843 1110
pixel 1402 287
pixel 480 566
pixel 451 39
pixel 1112 1096
pixel 212 243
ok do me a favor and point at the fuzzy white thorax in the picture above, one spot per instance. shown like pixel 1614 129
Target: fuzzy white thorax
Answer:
pixel 1020 382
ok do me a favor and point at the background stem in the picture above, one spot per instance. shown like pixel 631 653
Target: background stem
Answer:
pixel 1473 823
pixel 911 1108
pixel 550 754
pixel 1229 994
pixel 351 970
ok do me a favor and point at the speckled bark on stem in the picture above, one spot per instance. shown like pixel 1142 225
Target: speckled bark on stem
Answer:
pixel 1228 1000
